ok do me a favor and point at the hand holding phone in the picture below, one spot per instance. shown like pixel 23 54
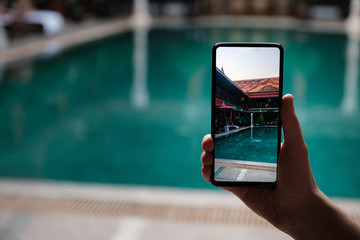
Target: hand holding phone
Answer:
pixel 246 102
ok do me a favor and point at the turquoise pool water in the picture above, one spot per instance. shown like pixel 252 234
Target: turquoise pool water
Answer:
pixel 72 116
pixel 258 145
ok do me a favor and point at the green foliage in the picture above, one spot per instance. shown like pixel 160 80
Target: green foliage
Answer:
pixel 259 120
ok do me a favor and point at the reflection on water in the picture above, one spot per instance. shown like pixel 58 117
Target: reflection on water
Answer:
pixel 351 89
pixel 351 84
pixel 141 22
pixel 257 144
pixel 86 114
pixel 139 92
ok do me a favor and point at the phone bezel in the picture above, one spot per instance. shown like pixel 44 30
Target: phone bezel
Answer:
pixel 213 88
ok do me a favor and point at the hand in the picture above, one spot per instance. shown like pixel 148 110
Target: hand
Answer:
pixel 295 181
pixel 296 205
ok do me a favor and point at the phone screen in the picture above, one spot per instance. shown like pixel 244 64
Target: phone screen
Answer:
pixel 246 101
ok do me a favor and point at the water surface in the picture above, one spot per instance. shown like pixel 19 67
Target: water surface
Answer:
pixel 72 116
pixel 257 144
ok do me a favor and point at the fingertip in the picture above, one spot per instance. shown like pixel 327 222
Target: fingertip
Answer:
pixel 208 143
pixel 206 137
pixel 287 104
pixel 288 97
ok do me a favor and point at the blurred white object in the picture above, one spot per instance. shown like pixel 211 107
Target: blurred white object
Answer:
pixel 353 21
pixel 325 12
pixel 141 21
pixel 140 16
pixel 139 91
pixel 51 21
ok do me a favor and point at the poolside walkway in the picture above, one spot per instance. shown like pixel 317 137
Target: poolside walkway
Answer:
pixel 247 171
pixel 72 35
pixel 65 210
pixel 94 29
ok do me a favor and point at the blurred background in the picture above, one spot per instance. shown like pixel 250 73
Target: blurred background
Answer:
pixel 104 103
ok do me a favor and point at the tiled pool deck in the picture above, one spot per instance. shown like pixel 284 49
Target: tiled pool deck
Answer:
pixel 63 210
pixel 232 170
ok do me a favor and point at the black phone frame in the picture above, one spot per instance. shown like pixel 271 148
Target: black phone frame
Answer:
pixel 213 88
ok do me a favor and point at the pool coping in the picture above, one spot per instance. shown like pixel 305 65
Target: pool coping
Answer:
pixel 225 134
pixel 246 164
pixel 82 33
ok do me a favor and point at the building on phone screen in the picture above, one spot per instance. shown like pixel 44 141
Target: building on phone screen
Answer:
pixel 245 103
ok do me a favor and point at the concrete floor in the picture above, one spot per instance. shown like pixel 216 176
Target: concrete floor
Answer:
pixel 65 210
pixel 62 226
pixel 62 210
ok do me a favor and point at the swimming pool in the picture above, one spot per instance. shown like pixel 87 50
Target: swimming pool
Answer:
pixel 257 144
pixel 73 116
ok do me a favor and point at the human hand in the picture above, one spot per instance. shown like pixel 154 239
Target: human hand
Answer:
pixel 295 181
pixel 296 205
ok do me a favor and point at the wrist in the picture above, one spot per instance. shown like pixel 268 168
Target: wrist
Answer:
pixel 302 224
pixel 319 218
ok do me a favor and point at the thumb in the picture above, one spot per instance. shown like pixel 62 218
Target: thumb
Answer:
pixel 290 123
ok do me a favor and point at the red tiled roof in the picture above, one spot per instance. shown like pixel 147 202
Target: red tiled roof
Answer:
pixel 265 87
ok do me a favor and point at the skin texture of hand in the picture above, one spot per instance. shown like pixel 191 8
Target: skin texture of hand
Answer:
pixel 296 190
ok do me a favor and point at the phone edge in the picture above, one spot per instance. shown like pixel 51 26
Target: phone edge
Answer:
pixel 213 81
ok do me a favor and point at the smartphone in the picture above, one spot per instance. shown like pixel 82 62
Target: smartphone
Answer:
pixel 245 114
